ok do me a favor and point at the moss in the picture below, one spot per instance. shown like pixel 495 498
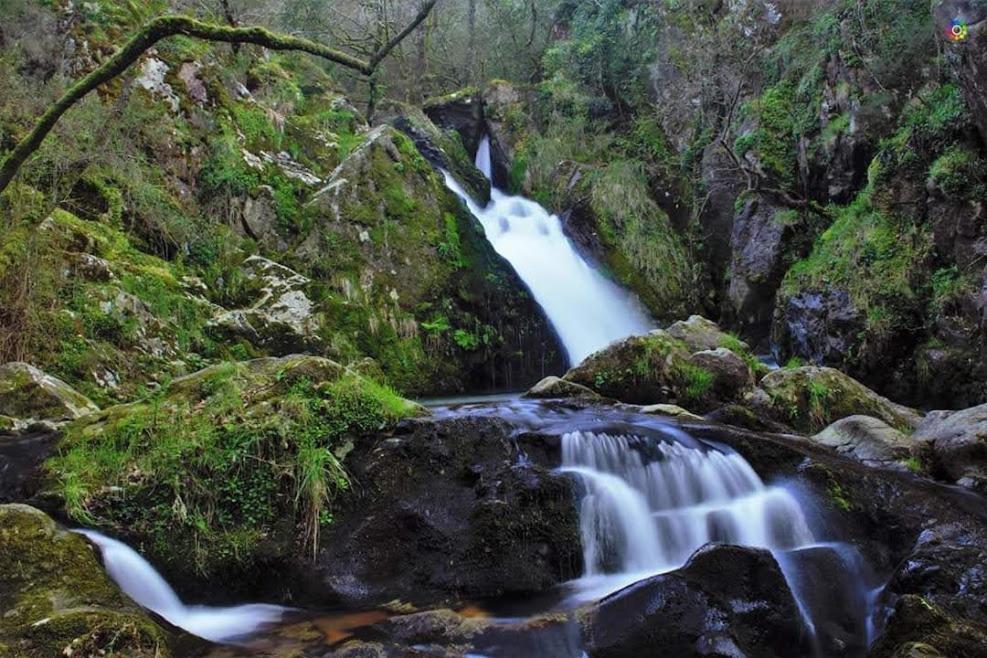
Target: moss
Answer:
pixel 57 599
pixel 210 468
pixel 958 172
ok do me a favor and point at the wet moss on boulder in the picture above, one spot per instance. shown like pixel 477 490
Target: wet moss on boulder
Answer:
pixel 57 600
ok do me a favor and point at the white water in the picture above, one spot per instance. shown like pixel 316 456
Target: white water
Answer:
pixel 138 580
pixel 587 310
pixel 641 516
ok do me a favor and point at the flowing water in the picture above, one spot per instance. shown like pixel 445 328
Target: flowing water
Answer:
pixel 586 309
pixel 142 583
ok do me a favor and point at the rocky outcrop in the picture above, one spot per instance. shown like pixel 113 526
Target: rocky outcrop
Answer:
pixel 969 55
pixel 727 599
pixel 28 394
pixel 958 445
pixel 445 510
pixel 56 600
pixel 809 398
pixel 868 440
pixel 820 327
pixel 280 319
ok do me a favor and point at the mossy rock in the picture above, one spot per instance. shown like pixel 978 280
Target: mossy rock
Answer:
pixel 810 397
pixel 28 393
pixel 699 334
pixel 57 600
pixel 555 387
pixel 224 469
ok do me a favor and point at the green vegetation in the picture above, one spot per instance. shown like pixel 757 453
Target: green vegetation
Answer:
pixel 216 462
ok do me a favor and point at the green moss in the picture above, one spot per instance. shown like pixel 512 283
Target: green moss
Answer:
pixel 838 496
pixel 694 382
pixel 774 138
pixel 224 457
pixel 959 173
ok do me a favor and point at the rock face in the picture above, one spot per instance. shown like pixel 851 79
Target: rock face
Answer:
pixel 726 601
pixel 969 57
pixel 56 599
pixel 810 398
pixel 28 394
pixel 959 445
pixel 281 319
pixel 444 511
pixel 819 326
pixel 868 440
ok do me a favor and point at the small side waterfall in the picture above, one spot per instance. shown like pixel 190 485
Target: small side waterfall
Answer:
pixel 586 309
pixel 139 580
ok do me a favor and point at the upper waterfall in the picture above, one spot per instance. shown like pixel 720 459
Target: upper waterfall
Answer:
pixel 586 309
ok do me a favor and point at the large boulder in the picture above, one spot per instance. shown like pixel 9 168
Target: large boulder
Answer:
pixel 28 394
pixel 727 600
pixel 414 282
pixel 870 441
pixel 732 376
pixel 698 334
pixel 249 453
pixel 810 397
pixel 447 510
pixel 958 440
pixel 56 600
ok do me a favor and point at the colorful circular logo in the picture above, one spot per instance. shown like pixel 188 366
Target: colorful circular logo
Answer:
pixel 958 30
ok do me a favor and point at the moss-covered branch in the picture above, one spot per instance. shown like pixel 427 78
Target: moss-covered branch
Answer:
pixel 167 26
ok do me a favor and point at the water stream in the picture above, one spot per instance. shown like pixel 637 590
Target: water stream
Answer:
pixel 587 310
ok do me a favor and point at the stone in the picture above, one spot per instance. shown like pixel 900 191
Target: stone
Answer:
pixel 959 444
pixel 671 410
pixel 726 601
pixel 57 599
pixel 811 397
pixel 555 387
pixel 27 393
pixel 699 334
pixel 732 377
pixel 868 440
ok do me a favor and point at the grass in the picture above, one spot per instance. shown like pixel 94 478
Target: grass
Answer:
pixel 212 465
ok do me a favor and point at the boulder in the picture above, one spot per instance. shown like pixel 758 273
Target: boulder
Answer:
pixel 461 111
pixel 28 394
pixel 731 374
pixel 959 445
pixel 555 387
pixel 819 327
pixel 810 397
pixel 919 629
pixel 671 410
pixel 870 441
pixel 727 601
pixel 447 510
pixel 56 600
pixel 640 369
pixel 699 334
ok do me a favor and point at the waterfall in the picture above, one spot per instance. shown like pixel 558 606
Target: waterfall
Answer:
pixel 647 505
pixel 586 309
pixel 138 579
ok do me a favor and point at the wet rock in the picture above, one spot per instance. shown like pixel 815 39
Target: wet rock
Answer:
pixel 819 327
pixel 555 387
pixel 461 111
pixel 27 394
pixel 446 509
pixel 811 397
pixel 959 445
pixel 759 244
pixel 723 184
pixel 868 440
pixel 698 334
pixel 920 629
pixel 56 600
pixel 22 459
pixel 727 600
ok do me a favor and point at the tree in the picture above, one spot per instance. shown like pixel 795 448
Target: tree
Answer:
pixel 168 26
